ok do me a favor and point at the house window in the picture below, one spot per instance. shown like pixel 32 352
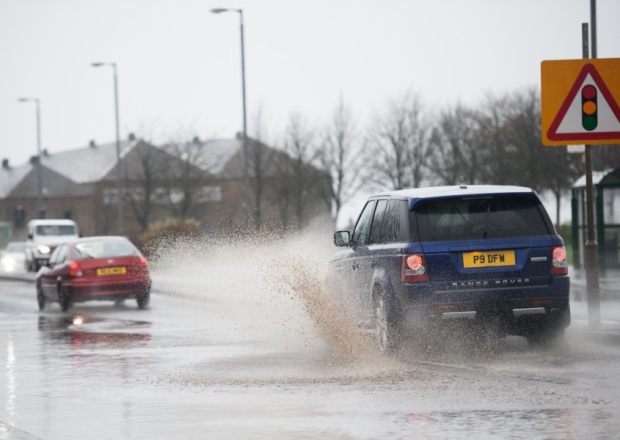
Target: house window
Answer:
pixel 209 194
pixel 110 196
pixel 20 217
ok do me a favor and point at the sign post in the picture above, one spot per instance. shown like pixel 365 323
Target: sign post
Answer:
pixel 592 264
pixel 579 103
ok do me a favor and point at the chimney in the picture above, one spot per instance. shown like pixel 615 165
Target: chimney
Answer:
pixel 132 137
pixel 5 164
pixel 92 144
pixel 34 160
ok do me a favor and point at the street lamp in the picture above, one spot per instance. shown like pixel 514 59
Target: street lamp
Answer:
pixel 119 176
pixel 41 208
pixel 246 196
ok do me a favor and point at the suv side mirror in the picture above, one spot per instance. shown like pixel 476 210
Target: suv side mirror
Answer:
pixel 30 235
pixel 342 238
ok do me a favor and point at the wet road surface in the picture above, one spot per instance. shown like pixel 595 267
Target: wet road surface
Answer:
pixel 229 351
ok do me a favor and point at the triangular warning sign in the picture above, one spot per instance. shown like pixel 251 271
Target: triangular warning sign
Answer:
pixel 589 112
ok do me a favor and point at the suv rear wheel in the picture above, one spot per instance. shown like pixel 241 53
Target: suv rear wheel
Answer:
pixel 386 331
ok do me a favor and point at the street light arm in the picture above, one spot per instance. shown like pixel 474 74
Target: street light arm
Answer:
pixel 220 10
pixel 99 64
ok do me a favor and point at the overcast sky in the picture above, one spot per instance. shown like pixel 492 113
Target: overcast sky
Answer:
pixel 179 65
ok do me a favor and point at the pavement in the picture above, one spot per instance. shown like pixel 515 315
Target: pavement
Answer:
pixel 18 276
pixel 609 288
pixel 607 331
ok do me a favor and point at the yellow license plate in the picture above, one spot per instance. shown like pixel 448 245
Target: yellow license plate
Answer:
pixel 112 271
pixel 488 259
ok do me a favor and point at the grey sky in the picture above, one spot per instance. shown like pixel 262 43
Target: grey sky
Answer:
pixel 179 64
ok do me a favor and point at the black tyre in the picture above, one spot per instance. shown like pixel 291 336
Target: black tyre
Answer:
pixel 41 300
pixel 387 333
pixel 143 300
pixel 63 299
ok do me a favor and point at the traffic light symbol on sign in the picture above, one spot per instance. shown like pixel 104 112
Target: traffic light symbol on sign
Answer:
pixel 589 113
pixel 589 118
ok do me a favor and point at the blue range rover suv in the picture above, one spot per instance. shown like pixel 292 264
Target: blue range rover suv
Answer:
pixel 483 256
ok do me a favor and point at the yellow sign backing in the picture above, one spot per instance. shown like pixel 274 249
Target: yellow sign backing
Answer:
pixel 579 101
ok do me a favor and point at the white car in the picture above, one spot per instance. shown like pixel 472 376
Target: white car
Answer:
pixel 13 257
pixel 44 236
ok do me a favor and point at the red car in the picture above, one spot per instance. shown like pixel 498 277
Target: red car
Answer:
pixel 94 268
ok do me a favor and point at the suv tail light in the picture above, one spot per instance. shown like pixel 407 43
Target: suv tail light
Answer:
pixel 414 269
pixel 559 264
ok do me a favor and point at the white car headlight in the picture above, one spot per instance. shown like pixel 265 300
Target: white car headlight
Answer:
pixel 43 249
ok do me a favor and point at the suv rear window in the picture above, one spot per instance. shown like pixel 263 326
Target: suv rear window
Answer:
pixel 468 218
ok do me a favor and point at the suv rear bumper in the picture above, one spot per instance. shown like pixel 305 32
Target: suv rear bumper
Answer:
pixel 513 320
pixel 514 311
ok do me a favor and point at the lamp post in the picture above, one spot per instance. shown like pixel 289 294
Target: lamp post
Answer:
pixel 119 168
pixel 41 208
pixel 246 196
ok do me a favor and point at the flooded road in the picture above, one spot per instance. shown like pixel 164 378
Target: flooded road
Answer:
pixel 242 342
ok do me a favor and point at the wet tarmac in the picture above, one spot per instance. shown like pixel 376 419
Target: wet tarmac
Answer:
pixel 242 342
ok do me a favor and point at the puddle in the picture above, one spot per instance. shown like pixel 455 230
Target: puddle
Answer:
pixel 81 330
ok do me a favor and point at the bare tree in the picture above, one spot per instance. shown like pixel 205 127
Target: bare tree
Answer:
pixel 454 155
pixel 498 155
pixel 185 178
pixel 340 156
pixel 300 183
pixel 606 156
pixel 261 158
pixel 562 171
pixel 143 169
pixel 398 144
pixel 509 132
pixel 523 131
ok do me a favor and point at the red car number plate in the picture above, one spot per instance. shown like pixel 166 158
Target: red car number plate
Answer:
pixel 112 271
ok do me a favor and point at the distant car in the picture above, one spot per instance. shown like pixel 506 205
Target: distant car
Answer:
pixel 94 268
pixel 13 257
pixel 44 236
pixel 485 257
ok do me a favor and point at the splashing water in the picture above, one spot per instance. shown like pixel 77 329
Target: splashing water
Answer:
pixel 275 287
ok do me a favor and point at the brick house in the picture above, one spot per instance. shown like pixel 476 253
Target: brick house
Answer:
pixel 200 180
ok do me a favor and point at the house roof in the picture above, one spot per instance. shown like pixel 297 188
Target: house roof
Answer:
pixel 218 153
pixel 220 157
pixel 88 164
pixel 597 177
pixel 10 177
pixel 224 157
